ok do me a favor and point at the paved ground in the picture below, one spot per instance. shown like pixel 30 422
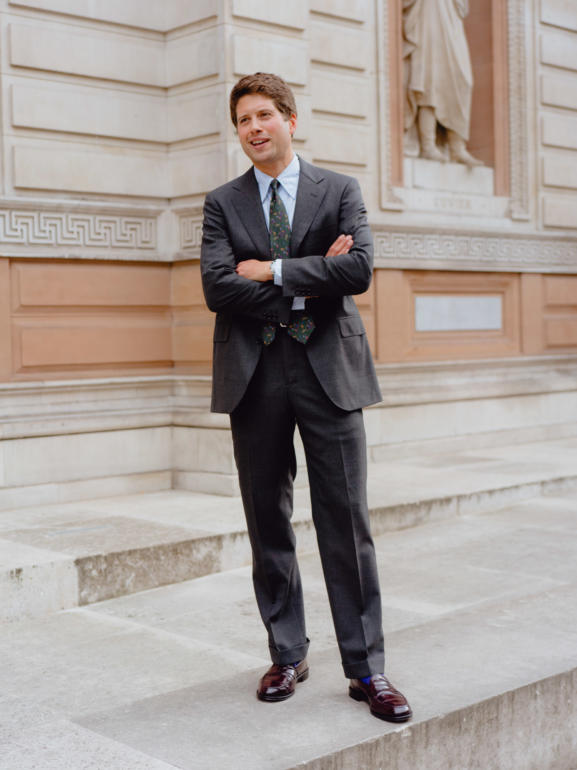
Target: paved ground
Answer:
pixel 477 610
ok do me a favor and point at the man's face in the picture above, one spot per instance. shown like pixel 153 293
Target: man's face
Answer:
pixel 264 132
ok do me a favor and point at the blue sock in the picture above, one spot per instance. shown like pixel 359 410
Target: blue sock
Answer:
pixel 366 679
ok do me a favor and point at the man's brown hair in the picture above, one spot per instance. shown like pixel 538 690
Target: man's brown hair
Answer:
pixel 267 84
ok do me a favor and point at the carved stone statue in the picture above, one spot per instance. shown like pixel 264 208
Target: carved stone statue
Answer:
pixel 438 77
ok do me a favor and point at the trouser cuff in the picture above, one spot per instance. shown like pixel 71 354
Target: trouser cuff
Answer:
pixel 368 667
pixel 291 655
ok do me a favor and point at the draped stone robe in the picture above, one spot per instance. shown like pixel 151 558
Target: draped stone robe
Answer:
pixel 438 71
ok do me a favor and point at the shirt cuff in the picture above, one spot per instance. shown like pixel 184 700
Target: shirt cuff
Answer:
pixel 277 272
pixel 298 302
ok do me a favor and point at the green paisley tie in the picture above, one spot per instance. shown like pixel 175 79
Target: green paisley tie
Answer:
pixel 280 235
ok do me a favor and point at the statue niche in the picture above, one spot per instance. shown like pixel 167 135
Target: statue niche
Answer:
pixel 438 80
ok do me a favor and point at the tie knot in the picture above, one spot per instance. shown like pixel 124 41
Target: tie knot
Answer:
pixel 275 184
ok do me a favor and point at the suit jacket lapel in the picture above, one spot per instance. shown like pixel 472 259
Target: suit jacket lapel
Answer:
pixel 246 200
pixel 310 194
pixel 311 191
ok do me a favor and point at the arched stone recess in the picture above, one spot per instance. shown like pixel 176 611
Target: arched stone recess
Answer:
pixel 500 45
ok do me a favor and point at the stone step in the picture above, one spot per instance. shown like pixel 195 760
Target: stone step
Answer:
pixel 480 616
pixel 61 556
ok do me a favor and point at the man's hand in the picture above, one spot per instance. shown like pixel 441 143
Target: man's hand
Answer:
pixel 255 270
pixel 342 245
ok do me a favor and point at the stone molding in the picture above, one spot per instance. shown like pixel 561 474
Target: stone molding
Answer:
pixel 518 110
pixel 449 381
pixel 411 249
pixel 389 201
pixel 59 407
pixel 30 409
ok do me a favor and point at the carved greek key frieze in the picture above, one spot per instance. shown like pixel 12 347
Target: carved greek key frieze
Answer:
pixel 190 227
pixel 83 230
pixel 479 250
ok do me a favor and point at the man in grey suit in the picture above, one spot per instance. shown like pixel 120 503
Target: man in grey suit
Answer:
pixel 284 247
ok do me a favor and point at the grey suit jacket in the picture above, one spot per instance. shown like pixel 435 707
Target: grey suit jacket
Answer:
pixel 234 229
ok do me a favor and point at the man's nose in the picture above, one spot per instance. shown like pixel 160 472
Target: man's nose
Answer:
pixel 255 124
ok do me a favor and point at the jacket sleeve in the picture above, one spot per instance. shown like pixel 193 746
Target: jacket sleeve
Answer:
pixel 225 291
pixel 317 275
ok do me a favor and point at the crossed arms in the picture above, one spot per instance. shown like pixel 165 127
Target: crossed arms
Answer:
pixel 244 286
pixel 258 270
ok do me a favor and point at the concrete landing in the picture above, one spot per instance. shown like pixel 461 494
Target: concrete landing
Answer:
pixel 480 619
pixel 61 556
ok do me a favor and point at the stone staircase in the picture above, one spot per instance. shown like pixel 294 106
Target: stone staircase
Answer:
pixel 131 638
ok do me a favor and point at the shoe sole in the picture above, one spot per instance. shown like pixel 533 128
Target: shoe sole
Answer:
pixel 360 695
pixel 276 699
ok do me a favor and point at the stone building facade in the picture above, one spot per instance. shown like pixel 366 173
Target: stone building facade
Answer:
pixel 115 125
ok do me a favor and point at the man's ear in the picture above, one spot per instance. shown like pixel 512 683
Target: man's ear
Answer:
pixel 292 124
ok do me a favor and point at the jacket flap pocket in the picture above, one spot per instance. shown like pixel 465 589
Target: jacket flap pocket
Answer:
pixel 351 325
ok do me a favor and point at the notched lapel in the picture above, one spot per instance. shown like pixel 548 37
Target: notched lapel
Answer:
pixel 311 192
pixel 247 203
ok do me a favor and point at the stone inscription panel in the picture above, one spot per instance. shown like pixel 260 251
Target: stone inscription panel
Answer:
pixel 436 313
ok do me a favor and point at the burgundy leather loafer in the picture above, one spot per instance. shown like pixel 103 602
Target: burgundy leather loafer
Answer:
pixel 279 682
pixel 385 701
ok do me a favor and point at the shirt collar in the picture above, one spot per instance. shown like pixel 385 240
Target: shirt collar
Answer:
pixel 289 179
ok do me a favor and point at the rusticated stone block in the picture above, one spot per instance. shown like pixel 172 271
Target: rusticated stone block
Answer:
pixel 293 14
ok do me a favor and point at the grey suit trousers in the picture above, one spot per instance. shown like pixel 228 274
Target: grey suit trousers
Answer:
pixel 284 392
